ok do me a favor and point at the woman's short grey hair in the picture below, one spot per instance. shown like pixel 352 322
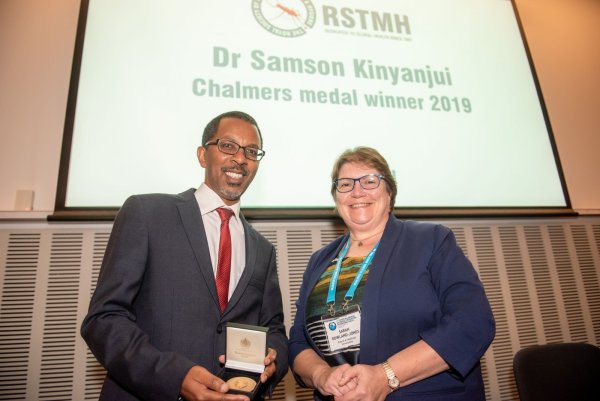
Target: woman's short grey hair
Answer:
pixel 370 158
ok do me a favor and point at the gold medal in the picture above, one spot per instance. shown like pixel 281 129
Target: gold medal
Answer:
pixel 241 383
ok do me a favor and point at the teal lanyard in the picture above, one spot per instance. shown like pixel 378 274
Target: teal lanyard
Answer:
pixel 336 273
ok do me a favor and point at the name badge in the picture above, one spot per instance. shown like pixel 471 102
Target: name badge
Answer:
pixel 343 331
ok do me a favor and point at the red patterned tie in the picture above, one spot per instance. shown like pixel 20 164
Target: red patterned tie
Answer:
pixel 224 258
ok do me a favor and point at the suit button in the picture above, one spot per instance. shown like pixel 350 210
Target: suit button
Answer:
pixel 220 328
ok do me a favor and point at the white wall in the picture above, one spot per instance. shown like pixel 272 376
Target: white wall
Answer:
pixel 564 40
pixel 36 48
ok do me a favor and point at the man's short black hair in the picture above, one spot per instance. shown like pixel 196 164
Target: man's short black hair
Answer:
pixel 211 128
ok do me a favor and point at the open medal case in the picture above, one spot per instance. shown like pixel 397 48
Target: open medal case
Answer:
pixel 246 348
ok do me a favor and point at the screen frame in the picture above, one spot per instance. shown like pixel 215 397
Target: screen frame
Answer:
pixel 106 213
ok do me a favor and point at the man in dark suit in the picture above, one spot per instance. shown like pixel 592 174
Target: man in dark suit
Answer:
pixel 156 321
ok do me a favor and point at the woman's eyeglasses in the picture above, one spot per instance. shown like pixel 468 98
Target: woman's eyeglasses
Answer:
pixel 368 182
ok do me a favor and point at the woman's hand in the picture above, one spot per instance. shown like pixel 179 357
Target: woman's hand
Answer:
pixel 369 383
pixel 316 373
pixel 327 380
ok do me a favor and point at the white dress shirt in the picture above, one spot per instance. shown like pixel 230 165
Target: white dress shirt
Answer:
pixel 209 202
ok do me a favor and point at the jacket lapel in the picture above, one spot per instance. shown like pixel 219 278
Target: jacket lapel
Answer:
pixel 325 260
pixel 194 229
pixel 370 304
pixel 251 240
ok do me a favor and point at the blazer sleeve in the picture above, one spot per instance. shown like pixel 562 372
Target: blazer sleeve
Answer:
pixel 272 317
pixel 467 326
pixel 298 340
pixel 315 267
pixel 110 328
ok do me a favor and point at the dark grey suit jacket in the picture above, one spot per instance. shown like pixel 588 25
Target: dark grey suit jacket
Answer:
pixel 155 312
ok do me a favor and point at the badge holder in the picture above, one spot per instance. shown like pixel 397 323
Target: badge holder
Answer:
pixel 246 348
pixel 342 328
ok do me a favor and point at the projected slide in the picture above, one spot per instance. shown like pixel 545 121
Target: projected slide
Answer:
pixel 442 88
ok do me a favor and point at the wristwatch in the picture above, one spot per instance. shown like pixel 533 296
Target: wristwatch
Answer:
pixel 393 381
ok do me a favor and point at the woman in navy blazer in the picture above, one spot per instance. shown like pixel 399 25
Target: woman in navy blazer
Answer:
pixel 391 310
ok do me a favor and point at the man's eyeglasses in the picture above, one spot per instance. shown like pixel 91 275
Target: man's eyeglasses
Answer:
pixel 231 148
pixel 369 181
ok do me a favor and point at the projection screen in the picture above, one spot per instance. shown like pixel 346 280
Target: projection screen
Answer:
pixel 444 89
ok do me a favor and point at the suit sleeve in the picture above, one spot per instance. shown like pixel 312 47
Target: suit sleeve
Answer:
pixel 467 325
pixel 298 340
pixel 272 317
pixel 110 328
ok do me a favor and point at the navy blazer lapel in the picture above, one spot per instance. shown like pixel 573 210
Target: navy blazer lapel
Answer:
pixel 370 303
pixel 324 260
pixel 194 229
pixel 389 239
